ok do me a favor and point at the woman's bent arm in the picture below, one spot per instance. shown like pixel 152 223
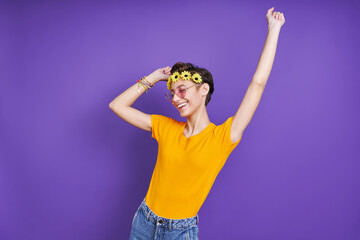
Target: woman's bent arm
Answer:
pixel 121 105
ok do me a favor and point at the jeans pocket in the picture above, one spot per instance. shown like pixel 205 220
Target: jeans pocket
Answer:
pixel 195 232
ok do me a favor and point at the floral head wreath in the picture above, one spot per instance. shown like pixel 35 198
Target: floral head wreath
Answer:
pixel 185 75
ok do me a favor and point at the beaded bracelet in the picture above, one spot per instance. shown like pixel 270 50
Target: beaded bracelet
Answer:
pixel 145 83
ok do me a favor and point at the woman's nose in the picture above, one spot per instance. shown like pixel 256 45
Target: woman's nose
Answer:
pixel 175 97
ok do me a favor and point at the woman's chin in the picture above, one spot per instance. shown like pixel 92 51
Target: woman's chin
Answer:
pixel 183 113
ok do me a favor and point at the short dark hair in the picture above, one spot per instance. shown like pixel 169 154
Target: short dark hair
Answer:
pixel 205 75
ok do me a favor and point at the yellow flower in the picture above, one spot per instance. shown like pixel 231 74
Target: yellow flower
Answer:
pixel 196 78
pixel 186 75
pixel 175 76
pixel 169 83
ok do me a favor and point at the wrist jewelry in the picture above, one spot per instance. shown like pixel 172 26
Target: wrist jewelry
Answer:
pixel 145 83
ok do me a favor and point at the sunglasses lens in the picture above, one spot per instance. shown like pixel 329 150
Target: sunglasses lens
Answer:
pixel 180 92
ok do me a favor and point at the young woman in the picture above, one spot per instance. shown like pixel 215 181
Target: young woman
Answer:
pixel 191 153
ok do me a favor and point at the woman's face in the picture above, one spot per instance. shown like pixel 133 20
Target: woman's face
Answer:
pixel 192 97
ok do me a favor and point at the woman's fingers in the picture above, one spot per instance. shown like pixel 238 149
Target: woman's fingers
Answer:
pixel 167 70
pixel 277 15
pixel 270 10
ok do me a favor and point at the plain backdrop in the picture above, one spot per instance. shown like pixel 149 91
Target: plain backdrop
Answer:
pixel 70 168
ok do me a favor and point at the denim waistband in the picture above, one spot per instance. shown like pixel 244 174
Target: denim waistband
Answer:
pixel 167 222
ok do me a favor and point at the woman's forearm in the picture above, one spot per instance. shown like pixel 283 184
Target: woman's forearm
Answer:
pixel 129 96
pixel 266 60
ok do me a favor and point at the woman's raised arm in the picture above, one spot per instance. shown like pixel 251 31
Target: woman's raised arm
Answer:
pixel 121 105
pixel 255 90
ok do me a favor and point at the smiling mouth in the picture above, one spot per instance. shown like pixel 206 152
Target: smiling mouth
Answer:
pixel 183 106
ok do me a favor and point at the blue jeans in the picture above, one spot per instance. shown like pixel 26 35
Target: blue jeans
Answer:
pixel 147 225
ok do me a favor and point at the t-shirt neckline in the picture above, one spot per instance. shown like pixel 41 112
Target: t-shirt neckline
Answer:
pixel 206 129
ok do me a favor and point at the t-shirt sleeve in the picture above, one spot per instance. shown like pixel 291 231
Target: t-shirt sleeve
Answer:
pixel 160 125
pixel 223 133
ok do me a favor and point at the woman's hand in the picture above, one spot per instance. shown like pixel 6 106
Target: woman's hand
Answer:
pixel 161 74
pixel 275 19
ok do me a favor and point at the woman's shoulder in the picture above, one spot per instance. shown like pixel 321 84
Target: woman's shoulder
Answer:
pixel 166 119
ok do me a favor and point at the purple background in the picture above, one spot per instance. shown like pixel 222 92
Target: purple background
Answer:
pixel 72 169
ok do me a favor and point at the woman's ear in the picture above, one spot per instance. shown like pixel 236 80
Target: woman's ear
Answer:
pixel 205 88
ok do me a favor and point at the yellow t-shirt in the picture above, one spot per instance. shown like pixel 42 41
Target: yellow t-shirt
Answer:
pixel 186 168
